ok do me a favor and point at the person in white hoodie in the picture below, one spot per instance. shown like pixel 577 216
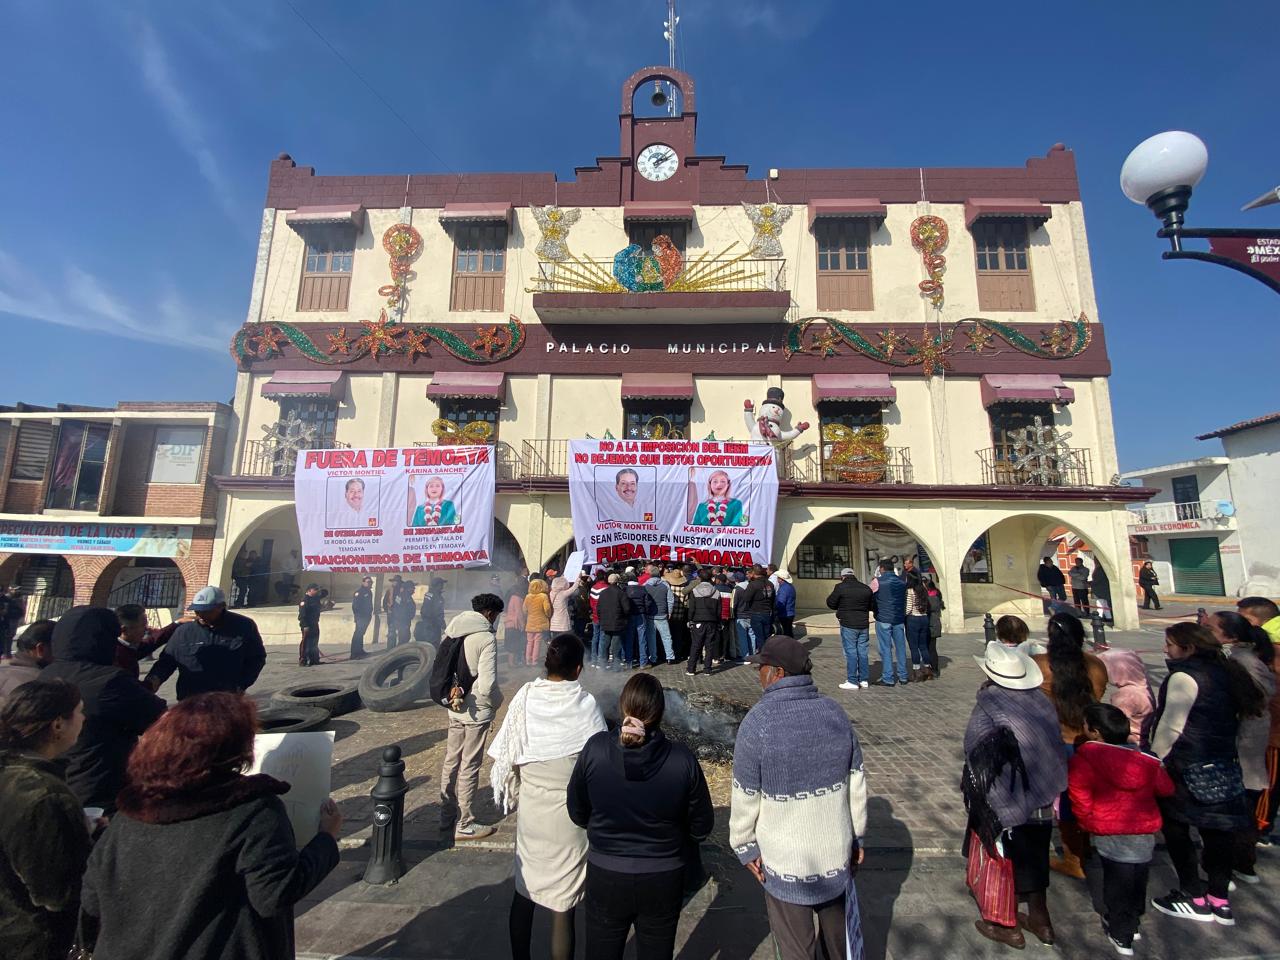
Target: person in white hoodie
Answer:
pixel 534 754
pixel 468 728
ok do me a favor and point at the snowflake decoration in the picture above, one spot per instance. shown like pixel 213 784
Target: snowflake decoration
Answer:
pixel 339 342
pixel 270 342
pixel 489 340
pixel 767 218
pixel 1040 454
pixel 380 336
pixel 979 339
pixel 287 436
pixel 554 224
pixel 416 343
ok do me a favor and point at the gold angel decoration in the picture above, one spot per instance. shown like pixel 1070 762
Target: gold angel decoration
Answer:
pixel 446 431
pixel 767 218
pixel 554 224
pixel 857 456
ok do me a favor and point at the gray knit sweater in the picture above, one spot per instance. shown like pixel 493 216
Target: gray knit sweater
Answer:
pixel 799 793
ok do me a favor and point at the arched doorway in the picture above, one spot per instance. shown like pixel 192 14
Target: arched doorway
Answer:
pixel 48 586
pixel 156 583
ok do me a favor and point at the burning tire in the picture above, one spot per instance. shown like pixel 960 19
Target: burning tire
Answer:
pixel 336 698
pixel 398 679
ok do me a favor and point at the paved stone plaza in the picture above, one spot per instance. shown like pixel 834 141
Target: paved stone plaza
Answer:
pixel 453 901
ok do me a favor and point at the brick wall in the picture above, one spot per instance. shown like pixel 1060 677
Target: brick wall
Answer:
pixel 135 497
pixel 24 496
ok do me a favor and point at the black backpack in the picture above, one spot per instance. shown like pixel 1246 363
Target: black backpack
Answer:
pixel 451 678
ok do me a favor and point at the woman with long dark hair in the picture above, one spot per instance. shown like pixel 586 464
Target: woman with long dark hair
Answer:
pixel 534 754
pixel 643 801
pixel 1198 716
pixel 1250 647
pixel 201 861
pixel 44 840
pixel 918 627
pixel 1073 679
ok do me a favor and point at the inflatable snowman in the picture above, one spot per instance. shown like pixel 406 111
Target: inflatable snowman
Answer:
pixel 766 426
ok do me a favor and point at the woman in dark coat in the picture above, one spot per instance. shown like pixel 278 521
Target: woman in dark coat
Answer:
pixel 201 862
pixel 1148 581
pixel 1198 717
pixel 44 841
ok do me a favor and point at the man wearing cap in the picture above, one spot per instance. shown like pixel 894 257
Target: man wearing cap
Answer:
pixel 309 608
pixel 217 651
pixel 798 815
pixel 362 610
pixel 432 621
pixel 853 602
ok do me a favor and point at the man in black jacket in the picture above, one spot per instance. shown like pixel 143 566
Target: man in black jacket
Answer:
pixel 854 603
pixel 432 622
pixel 218 650
pixel 757 603
pixel 1051 578
pixel 117 708
pixel 362 610
pixel 309 609
pixel 614 608
pixel 704 626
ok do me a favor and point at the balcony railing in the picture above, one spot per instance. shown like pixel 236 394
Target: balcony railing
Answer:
pixel 698 275
pixel 506 458
pixel 265 458
pixel 545 458
pixel 810 468
pixel 1174 512
pixel 1004 467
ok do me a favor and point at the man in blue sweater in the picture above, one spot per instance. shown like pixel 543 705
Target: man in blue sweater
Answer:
pixel 799 810
pixel 891 624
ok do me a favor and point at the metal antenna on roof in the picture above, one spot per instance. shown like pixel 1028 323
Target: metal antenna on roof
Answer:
pixel 669 34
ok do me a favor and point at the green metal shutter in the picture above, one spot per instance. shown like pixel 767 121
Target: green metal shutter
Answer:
pixel 1197 568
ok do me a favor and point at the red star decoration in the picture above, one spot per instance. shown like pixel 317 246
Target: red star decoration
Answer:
pixel 824 344
pixel 1057 340
pixel 979 339
pixel 894 341
pixel 339 342
pixel 933 356
pixel 270 342
pixel 489 340
pixel 416 342
pixel 380 336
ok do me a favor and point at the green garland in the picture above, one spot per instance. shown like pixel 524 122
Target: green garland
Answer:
pixel 256 342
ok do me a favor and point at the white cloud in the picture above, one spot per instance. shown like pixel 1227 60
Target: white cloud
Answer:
pixel 184 120
pixel 86 304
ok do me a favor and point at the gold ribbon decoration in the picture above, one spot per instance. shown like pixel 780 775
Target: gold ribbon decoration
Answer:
pixel 446 431
pixel 859 456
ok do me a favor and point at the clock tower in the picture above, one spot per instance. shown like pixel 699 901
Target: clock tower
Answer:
pixel 655 150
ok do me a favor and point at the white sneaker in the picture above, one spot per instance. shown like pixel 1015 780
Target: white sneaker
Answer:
pixel 848 686
pixel 864 684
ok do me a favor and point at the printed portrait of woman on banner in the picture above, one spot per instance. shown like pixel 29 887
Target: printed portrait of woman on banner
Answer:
pixel 435 510
pixel 713 504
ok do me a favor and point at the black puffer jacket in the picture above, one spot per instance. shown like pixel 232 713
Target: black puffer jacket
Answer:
pixel 117 708
pixel 641 806
pixel 613 608
pixel 704 604
pixel 853 602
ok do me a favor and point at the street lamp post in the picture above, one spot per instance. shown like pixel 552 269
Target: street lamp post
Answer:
pixel 1160 173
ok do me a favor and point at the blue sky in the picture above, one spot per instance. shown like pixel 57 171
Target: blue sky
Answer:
pixel 137 136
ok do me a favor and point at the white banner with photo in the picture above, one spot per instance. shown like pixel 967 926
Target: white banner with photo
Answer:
pixel 702 501
pixel 411 509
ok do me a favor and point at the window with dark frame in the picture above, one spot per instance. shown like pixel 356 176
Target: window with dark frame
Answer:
pixel 479 266
pixel 1010 419
pixel 854 414
pixel 1003 264
pixel 826 551
pixel 642 416
pixel 326 268
pixel 35 438
pixel 462 411
pixel 322 414
pixel 844 263
pixel 644 232
pixel 78 465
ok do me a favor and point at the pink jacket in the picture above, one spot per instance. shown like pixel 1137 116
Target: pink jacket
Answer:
pixel 1132 692
pixel 561 594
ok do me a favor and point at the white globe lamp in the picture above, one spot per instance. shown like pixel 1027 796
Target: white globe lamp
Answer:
pixel 1161 172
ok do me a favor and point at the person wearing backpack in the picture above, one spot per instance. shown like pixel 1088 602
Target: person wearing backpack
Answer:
pixel 470 653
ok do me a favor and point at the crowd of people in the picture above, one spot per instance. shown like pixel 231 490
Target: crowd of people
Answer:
pixel 1042 746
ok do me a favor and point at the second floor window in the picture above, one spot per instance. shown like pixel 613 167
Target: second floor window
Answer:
pixel 321 414
pixel 464 412
pixel 854 415
pixel 656 419
pixel 78 466
pixel 1009 420
pixel 645 231
pixel 1004 266
pixel 326 269
pixel 32 454
pixel 479 266
pixel 844 264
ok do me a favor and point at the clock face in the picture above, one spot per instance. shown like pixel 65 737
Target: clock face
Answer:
pixel 657 162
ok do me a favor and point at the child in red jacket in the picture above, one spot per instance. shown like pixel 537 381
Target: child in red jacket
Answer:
pixel 1113 788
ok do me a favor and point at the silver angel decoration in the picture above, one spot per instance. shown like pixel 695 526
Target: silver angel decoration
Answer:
pixel 554 222
pixel 767 219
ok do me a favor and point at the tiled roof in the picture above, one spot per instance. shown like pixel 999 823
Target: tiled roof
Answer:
pixel 1242 425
